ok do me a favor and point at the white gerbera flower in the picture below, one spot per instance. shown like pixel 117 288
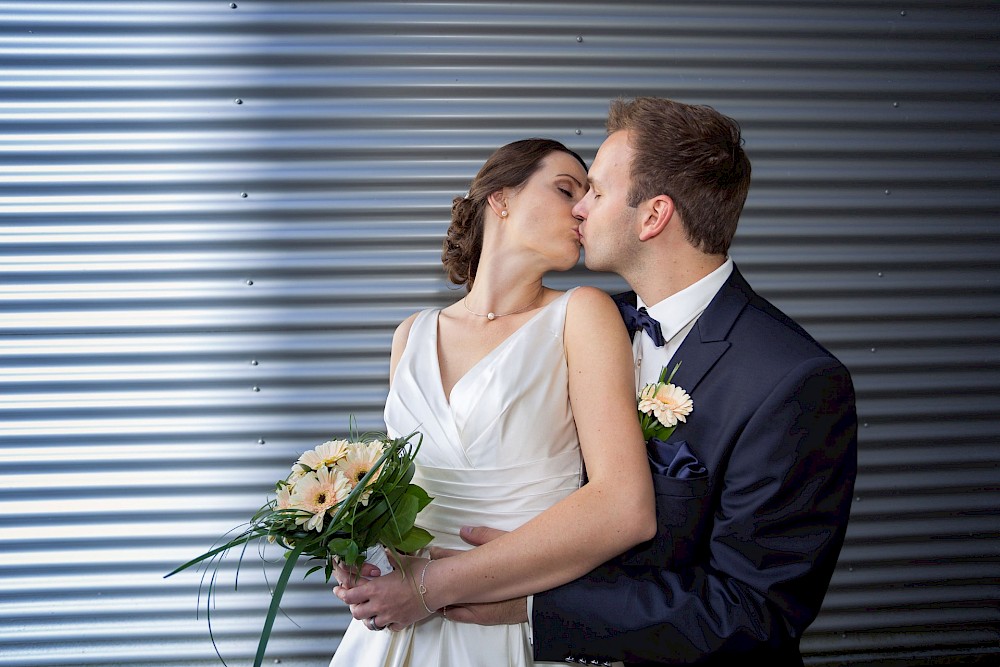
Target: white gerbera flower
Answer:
pixel 327 454
pixel 667 402
pixel 316 493
pixel 361 457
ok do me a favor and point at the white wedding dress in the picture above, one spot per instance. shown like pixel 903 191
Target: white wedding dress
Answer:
pixel 497 452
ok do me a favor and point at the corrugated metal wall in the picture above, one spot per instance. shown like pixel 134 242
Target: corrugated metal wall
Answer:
pixel 214 214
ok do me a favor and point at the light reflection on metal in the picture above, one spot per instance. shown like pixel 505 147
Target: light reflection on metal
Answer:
pixel 156 234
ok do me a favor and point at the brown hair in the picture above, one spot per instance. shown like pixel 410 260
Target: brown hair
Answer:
pixel 694 155
pixel 510 166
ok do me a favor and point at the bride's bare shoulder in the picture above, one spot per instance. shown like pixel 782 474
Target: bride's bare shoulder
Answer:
pixel 592 318
pixel 588 302
pixel 399 338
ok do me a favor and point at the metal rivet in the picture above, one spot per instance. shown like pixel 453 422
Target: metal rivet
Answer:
pixel 261 441
pixel 850 569
pixel 902 12
pixel 865 425
pixel 244 195
pixel 879 274
pixel 895 105
pixel 232 5
pixel 857 499
pixel 579 38
pixel 238 101
pixel 249 282
pixel 888 191
pixel 256 388
pixel 579 132
pixel 253 362
pixel 873 349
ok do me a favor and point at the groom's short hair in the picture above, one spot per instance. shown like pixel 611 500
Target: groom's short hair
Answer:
pixel 694 155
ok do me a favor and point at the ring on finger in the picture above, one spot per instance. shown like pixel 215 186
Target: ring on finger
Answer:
pixel 372 625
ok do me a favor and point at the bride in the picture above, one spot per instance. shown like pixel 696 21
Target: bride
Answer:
pixel 517 389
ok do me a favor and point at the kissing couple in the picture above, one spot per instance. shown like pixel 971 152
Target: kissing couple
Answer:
pixel 560 534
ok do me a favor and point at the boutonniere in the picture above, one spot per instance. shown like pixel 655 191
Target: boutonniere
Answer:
pixel 662 406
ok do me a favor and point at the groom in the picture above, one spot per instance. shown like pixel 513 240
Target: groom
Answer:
pixel 751 526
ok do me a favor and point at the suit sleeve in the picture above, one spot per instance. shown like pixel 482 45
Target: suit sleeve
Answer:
pixel 772 535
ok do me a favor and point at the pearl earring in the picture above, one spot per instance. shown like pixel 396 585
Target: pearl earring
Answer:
pixel 503 214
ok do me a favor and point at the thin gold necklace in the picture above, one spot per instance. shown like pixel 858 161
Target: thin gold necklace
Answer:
pixel 492 316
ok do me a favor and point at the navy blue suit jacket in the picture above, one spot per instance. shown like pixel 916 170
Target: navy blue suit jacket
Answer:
pixel 743 554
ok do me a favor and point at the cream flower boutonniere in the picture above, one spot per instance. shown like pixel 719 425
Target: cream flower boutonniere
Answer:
pixel 662 406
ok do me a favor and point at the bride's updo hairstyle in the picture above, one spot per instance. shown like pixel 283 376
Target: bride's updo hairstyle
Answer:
pixel 510 166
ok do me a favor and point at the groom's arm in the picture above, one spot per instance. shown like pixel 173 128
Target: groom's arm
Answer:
pixel 774 539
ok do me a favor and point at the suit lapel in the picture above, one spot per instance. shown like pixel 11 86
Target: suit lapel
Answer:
pixel 706 343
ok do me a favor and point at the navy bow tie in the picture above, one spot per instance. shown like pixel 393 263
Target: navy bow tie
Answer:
pixel 638 318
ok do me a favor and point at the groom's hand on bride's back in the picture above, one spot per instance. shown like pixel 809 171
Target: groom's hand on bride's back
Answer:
pixel 507 612
pixel 476 535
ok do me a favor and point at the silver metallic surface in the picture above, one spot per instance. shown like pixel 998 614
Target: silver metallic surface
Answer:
pixel 213 215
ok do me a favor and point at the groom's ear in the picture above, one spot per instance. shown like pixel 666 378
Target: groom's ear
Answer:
pixel 656 213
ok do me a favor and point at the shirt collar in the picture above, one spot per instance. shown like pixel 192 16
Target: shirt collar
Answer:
pixel 677 310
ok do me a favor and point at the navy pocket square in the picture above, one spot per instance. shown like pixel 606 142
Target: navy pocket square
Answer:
pixel 674 459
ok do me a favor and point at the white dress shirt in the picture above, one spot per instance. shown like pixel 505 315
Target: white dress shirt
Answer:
pixel 677 315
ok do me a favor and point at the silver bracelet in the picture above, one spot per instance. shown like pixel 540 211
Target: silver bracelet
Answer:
pixel 423 589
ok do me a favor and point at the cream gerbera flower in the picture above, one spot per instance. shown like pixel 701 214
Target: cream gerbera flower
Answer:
pixel 316 493
pixel 667 402
pixel 284 495
pixel 327 454
pixel 361 458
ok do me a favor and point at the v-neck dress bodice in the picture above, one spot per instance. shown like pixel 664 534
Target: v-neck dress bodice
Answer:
pixel 503 449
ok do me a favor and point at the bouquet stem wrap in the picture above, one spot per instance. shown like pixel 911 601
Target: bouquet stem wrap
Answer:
pixel 376 556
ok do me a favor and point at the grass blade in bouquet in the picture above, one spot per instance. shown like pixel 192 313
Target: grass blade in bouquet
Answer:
pixel 346 499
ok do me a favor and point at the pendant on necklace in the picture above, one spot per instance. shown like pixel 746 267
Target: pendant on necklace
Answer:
pixel 490 316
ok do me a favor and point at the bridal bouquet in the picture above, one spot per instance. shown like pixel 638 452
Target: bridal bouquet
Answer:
pixel 343 499
pixel 662 405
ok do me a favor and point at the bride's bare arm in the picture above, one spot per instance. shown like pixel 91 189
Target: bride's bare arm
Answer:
pixel 399 337
pixel 611 513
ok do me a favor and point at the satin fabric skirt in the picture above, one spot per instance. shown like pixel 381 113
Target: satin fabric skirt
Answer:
pixel 437 642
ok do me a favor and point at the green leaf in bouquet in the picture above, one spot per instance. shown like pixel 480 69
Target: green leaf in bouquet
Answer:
pixel 405 475
pixel 341 546
pixel 403 517
pixel 423 500
pixel 414 539
pixel 353 555
pixel 369 516
pixel 368 535
pixel 338 544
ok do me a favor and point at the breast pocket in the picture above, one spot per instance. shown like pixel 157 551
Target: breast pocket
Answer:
pixel 682 507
